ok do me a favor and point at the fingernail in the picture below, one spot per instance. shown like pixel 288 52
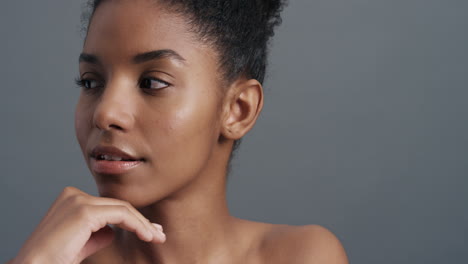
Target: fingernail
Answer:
pixel 158 226
pixel 158 232
pixel 163 236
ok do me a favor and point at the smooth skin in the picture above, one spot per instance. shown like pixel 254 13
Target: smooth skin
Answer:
pixel 173 112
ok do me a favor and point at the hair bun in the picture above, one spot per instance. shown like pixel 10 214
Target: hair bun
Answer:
pixel 270 11
pixel 271 6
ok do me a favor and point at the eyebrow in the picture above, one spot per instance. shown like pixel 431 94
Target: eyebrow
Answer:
pixel 89 58
pixel 139 58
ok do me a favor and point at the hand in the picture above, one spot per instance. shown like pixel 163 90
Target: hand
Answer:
pixel 76 226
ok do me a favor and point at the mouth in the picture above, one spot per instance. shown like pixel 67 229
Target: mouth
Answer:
pixel 111 153
pixel 112 160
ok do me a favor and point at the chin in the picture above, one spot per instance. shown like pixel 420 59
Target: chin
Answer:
pixel 137 197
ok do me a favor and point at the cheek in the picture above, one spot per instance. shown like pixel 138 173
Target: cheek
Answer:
pixel 187 136
pixel 82 121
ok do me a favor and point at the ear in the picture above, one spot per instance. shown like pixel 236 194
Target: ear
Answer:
pixel 241 108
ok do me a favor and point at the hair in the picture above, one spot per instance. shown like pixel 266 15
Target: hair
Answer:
pixel 239 30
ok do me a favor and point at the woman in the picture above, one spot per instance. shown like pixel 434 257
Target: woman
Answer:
pixel 169 88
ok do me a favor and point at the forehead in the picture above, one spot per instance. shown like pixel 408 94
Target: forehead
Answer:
pixel 120 29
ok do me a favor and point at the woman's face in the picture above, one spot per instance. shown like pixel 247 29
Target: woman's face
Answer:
pixel 151 90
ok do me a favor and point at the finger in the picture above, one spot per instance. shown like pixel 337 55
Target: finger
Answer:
pixel 122 217
pixel 78 197
pixel 156 228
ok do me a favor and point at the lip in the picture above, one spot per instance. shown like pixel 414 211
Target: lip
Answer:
pixel 111 150
pixel 113 167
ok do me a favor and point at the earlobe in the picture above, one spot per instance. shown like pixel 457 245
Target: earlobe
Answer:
pixel 242 107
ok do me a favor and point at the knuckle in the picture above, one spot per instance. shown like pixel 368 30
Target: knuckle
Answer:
pixel 69 190
pixel 123 211
pixel 126 204
pixel 84 211
pixel 76 199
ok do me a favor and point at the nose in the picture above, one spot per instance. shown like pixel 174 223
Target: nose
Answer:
pixel 115 109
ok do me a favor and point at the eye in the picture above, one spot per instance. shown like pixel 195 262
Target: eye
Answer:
pixel 87 84
pixel 153 83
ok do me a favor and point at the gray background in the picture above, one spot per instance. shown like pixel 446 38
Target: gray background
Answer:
pixel 363 131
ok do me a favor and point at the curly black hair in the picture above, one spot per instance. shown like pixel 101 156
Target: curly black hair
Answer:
pixel 239 30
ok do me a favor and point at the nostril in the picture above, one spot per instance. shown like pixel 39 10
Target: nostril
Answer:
pixel 115 126
pixel 111 126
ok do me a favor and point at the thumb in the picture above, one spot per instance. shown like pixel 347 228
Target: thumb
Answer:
pixel 98 240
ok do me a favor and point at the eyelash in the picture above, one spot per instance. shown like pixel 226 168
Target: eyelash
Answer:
pixel 166 84
pixel 81 83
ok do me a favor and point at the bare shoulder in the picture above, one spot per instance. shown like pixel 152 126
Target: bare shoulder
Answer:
pixel 301 244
